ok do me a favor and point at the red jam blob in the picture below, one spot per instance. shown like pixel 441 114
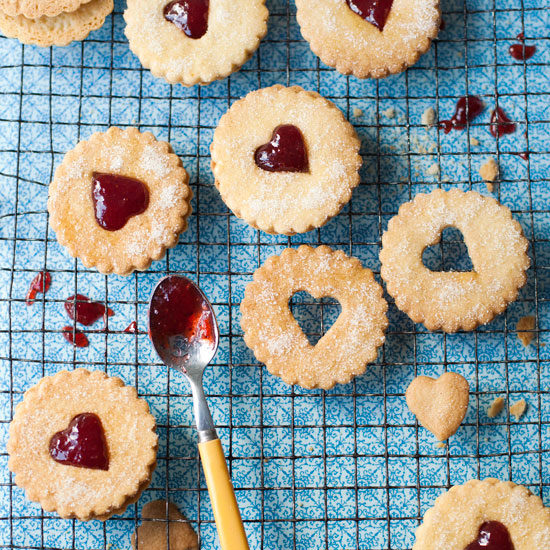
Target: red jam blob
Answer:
pixel 132 328
pixel 524 155
pixel 501 124
pixel 493 535
pixel 75 337
pixel 81 444
pixel 467 109
pixel 374 12
pixel 286 152
pixel 521 52
pixel 41 283
pixel 190 16
pixel 86 312
pixel 117 199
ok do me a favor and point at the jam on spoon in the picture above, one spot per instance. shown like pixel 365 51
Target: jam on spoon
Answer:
pixel 467 108
pixel 375 12
pixel 190 16
pixel 285 152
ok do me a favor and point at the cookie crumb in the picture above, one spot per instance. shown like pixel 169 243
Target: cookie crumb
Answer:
pixel 440 445
pixel 525 327
pixel 495 408
pixel 357 113
pixel 474 142
pixel 389 112
pixel 517 410
pixel 433 170
pixel 489 172
pixel 428 118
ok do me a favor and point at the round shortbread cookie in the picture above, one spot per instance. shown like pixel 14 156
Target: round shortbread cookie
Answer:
pixel 452 300
pixel 60 30
pixel 34 9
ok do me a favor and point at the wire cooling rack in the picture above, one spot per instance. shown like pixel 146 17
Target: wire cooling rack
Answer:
pixel 342 469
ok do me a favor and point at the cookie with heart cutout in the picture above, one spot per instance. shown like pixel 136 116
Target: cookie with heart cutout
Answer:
pixel 275 336
pixel 82 444
pixel 195 41
pixel 485 515
pixel 119 200
pixel 369 38
pixel 60 30
pixel 439 404
pixel 285 159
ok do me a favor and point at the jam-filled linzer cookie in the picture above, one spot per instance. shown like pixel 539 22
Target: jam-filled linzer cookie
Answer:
pixel 285 159
pixel 485 515
pixel 195 41
pixel 82 444
pixel 277 340
pixel 119 200
pixel 369 38
pixel 454 300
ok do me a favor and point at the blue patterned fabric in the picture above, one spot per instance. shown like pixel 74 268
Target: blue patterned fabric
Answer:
pixel 343 469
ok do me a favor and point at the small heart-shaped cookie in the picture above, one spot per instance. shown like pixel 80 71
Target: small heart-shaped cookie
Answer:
pixel 439 404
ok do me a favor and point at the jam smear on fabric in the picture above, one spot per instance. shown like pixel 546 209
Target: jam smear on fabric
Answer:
pixel 501 124
pixel 81 444
pixel 75 337
pixel 493 535
pixel 86 311
pixel 41 283
pixel 285 152
pixel 117 199
pixel 190 16
pixel 467 108
pixel 132 328
pixel 375 12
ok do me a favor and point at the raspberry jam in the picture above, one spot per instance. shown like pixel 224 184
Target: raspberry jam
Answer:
pixel 132 328
pixel 117 199
pixel 286 152
pixel 493 535
pixel 521 52
pixel 81 444
pixel 467 108
pixel 75 337
pixel 86 312
pixel 501 124
pixel 190 16
pixel 41 283
pixel 374 12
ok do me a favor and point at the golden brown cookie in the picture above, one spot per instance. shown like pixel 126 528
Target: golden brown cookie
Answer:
pixel 82 444
pixel 33 9
pixel 477 512
pixel 453 301
pixel 151 535
pixel 191 48
pixel 360 38
pixel 277 340
pixel 60 30
pixel 440 405
pixel 285 159
pixel 119 200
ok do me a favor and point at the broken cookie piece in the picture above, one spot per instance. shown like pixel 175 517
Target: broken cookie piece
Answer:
pixel 495 408
pixel 525 327
pixel 517 410
pixel 489 173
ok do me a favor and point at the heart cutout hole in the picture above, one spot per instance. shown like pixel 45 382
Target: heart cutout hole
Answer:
pixel 449 254
pixel 315 316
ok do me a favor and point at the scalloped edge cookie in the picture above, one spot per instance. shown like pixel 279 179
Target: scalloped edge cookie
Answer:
pixel 33 9
pixel 285 202
pixel 70 491
pixel 145 237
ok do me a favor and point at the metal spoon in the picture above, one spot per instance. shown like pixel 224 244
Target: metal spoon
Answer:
pixel 184 333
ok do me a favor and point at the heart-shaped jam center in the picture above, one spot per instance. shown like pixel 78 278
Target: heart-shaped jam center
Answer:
pixel 374 12
pixel 286 152
pixel 493 535
pixel 190 16
pixel 81 444
pixel 117 199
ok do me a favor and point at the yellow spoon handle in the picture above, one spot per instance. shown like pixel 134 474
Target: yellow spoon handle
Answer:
pixel 226 511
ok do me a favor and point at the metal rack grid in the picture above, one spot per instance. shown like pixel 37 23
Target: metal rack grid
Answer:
pixel 344 508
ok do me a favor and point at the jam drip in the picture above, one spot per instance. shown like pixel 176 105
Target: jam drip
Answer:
pixel 41 283
pixel 132 328
pixel 190 16
pixel 521 52
pixel 493 535
pixel 81 444
pixel 75 337
pixel 117 199
pixel 501 124
pixel 86 312
pixel 374 12
pixel 467 109
pixel 286 152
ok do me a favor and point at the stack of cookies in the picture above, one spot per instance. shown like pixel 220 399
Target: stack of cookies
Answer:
pixel 52 22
